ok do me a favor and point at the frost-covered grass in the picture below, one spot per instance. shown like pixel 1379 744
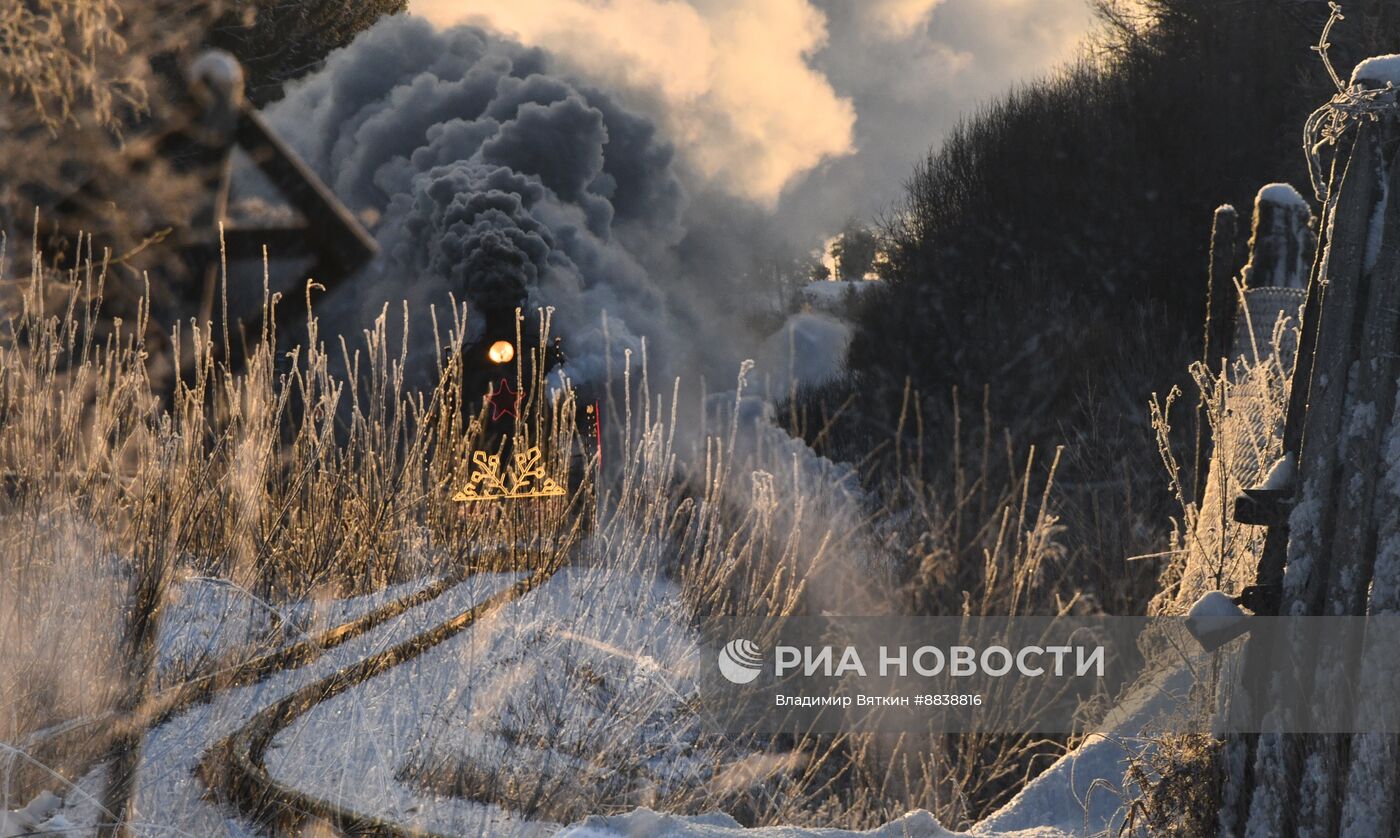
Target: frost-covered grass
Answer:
pixel 286 484
pixel 1244 409
pixel 163 524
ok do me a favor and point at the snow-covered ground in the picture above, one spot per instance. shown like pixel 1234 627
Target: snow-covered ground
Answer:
pixel 918 824
pixel 512 702
pixel 169 798
pixel 451 741
pixel 210 619
pixel 1079 795
pixel 40 817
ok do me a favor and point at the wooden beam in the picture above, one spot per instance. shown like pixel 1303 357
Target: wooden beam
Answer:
pixel 333 231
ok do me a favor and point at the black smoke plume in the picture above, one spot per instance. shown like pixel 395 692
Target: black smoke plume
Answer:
pixel 498 180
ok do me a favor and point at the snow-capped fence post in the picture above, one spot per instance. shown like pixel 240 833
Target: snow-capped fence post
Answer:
pixel 1321 557
pixel 1280 243
pixel 1243 751
pixel 1275 277
pixel 1278 758
pixel 1241 317
pixel 1368 415
pixel 1220 296
pixel 1243 323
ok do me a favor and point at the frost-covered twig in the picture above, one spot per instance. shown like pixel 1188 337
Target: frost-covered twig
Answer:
pixel 1323 44
pixel 1326 126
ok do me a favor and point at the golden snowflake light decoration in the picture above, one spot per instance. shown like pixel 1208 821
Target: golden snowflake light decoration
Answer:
pixel 524 478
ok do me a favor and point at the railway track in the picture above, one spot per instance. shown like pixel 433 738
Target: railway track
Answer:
pixel 235 767
pixel 92 738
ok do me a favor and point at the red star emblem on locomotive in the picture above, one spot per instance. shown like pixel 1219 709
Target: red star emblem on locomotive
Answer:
pixel 504 401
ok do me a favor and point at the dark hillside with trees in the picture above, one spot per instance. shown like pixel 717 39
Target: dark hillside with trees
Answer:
pixel 280 40
pixel 1054 248
pixel 1043 197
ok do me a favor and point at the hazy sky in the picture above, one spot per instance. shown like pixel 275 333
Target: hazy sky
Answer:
pixel 816 108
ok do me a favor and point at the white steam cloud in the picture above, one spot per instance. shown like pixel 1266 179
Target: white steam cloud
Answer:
pixel 813 109
pixel 901 17
pixel 732 81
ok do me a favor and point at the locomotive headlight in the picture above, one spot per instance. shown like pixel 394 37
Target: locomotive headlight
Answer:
pixel 501 352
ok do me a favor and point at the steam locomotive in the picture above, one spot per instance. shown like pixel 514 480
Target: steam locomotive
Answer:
pixel 495 366
pixel 212 119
